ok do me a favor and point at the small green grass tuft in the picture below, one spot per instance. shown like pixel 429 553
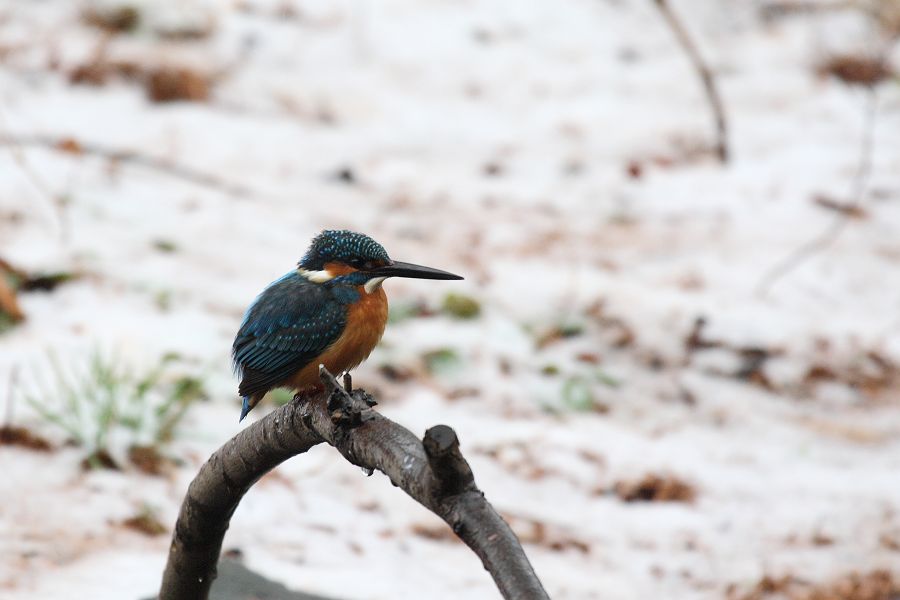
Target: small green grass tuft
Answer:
pixel 6 323
pixel 163 300
pixel 442 361
pixel 577 394
pixel 165 246
pixel 103 406
pixel 460 306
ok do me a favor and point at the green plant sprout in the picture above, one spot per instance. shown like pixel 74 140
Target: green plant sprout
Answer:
pixel 106 403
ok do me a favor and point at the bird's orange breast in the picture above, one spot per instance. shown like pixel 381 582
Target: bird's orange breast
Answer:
pixel 366 320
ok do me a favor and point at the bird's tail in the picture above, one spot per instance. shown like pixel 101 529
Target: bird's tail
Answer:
pixel 249 403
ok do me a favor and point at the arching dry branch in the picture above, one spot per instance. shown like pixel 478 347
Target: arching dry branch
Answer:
pixel 843 216
pixel 704 73
pixel 433 472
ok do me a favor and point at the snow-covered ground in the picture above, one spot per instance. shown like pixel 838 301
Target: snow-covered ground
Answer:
pixel 553 154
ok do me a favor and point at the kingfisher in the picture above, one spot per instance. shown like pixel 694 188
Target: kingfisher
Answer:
pixel 330 310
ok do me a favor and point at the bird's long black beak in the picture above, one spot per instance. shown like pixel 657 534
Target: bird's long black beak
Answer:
pixel 402 269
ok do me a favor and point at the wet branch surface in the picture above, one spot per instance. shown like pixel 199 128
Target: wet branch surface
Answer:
pixel 432 471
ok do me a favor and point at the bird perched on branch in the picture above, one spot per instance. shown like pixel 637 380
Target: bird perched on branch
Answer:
pixel 330 310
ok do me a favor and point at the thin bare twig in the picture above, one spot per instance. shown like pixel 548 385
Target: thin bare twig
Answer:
pixel 843 217
pixel 433 472
pixel 154 163
pixel 706 77
pixel 56 202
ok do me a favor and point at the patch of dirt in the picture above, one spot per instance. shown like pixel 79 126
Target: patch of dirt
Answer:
pixel 148 460
pixel 871 374
pixel 145 522
pixel 22 437
pixel 655 488
pixel 396 373
pixel 162 83
pixel 889 540
pixel 539 533
pixel 45 282
pixel 874 585
pixel 113 19
pixel 753 358
pixel 100 459
pixel 171 84
pixel 854 69
pixel 695 339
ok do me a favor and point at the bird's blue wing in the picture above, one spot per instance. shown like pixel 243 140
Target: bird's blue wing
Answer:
pixel 288 325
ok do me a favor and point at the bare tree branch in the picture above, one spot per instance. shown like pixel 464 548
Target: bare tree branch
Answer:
pixel 433 473
pixel 829 235
pixel 154 163
pixel 705 74
pixel 215 493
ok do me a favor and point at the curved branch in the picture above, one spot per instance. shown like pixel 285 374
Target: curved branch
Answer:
pixel 433 473
pixel 215 492
pixel 706 77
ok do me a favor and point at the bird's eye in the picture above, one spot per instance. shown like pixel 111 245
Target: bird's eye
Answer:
pixel 357 263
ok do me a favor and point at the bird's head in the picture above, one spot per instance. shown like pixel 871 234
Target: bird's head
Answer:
pixel 357 259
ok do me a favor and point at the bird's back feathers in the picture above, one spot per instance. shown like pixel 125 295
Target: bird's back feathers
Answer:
pixel 288 325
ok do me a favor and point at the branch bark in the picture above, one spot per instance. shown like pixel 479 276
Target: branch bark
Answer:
pixel 432 472
pixel 704 73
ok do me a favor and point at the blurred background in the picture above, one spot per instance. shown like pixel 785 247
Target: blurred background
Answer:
pixel 674 363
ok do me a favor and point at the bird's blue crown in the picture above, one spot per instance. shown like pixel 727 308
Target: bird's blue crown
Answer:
pixel 343 246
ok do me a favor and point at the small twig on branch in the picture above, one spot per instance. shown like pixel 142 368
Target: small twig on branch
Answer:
pixel 447 462
pixel 705 74
pixel 154 163
pixel 843 217
pixel 433 473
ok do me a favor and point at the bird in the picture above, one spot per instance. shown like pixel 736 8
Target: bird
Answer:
pixel 330 310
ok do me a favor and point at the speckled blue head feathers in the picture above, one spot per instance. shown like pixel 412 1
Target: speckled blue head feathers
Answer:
pixel 343 246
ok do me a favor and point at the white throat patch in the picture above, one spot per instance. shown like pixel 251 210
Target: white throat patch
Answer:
pixel 316 276
pixel 373 284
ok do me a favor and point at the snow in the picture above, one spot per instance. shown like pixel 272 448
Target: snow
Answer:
pixel 417 99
